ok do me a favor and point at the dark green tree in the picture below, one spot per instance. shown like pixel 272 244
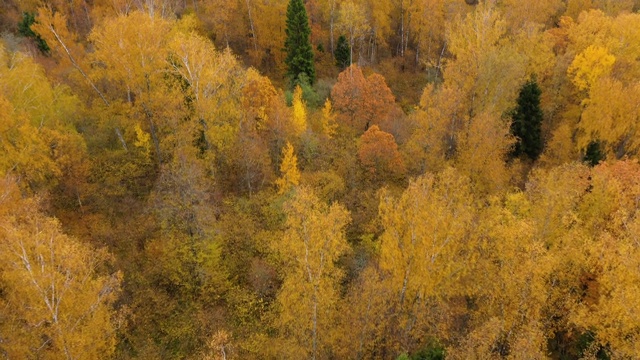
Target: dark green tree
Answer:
pixel 24 29
pixel 297 44
pixel 593 155
pixel 527 121
pixel 342 53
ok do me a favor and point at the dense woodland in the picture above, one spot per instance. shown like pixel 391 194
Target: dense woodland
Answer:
pixel 422 179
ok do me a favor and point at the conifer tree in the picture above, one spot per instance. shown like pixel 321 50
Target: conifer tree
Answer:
pixel 297 44
pixel 342 53
pixel 527 119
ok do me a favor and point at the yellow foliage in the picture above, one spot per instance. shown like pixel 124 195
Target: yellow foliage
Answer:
pixel 592 64
pixel 143 140
pixel 560 148
pixel 487 68
pixel 288 169
pixel 313 242
pixel 299 119
pixel 612 116
pixel 61 304
pixel 482 151
pixel 610 305
pixel 132 49
pixel 518 13
pixel 424 231
pixel 328 120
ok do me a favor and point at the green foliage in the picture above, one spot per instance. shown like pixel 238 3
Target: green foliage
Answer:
pixel 309 94
pixel 432 351
pixel 24 29
pixel 342 53
pixel 587 345
pixel 299 58
pixel 527 120
pixel 593 155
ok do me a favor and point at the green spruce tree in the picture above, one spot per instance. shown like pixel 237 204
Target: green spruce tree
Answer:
pixel 593 154
pixel 297 44
pixel 527 121
pixel 24 29
pixel 342 53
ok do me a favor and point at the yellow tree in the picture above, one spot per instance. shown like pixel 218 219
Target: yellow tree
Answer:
pixel 22 151
pixel 289 170
pixel 437 120
pixel 379 15
pixel 482 151
pixel 60 301
pixel 353 22
pixel 52 27
pixel 132 50
pixel 328 120
pixel 518 13
pixel 423 250
pixel 299 119
pixel 313 242
pixel 508 285
pixel 427 27
pixel 214 82
pixel 484 61
pixel 610 305
pixel 612 116
pixel 266 21
pixel 590 65
pixel 40 143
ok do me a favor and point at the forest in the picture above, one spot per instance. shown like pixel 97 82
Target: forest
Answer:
pixel 319 179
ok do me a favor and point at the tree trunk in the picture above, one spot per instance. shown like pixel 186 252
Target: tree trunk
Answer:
pixel 331 20
pixel 253 31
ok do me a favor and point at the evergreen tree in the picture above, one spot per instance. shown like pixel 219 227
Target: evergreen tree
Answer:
pixel 593 154
pixel 527 120
pixel 297 44
pixel 342 53
pixel 24 29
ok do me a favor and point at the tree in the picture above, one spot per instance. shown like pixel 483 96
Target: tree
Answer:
pixel 297 44
pixel 24 28
pixel 378 154
pixel 328 119
pixel 353 21
pixel 56 301
pixel 481 151
pixel 527 120
pixel 342 53
pixel 289 169
pixel 422 247
pixel 611 116
pixel 362 102
pixel 313 242
pixel 299 119
pixel 590 65
pixel 609 306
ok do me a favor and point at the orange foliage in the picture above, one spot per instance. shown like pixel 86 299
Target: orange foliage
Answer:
pixel 361 102
pixel 378 154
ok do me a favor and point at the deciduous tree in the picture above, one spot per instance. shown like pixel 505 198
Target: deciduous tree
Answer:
pixel 60 297
pixel 378 154
pixel 313 242
pixel 289 170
